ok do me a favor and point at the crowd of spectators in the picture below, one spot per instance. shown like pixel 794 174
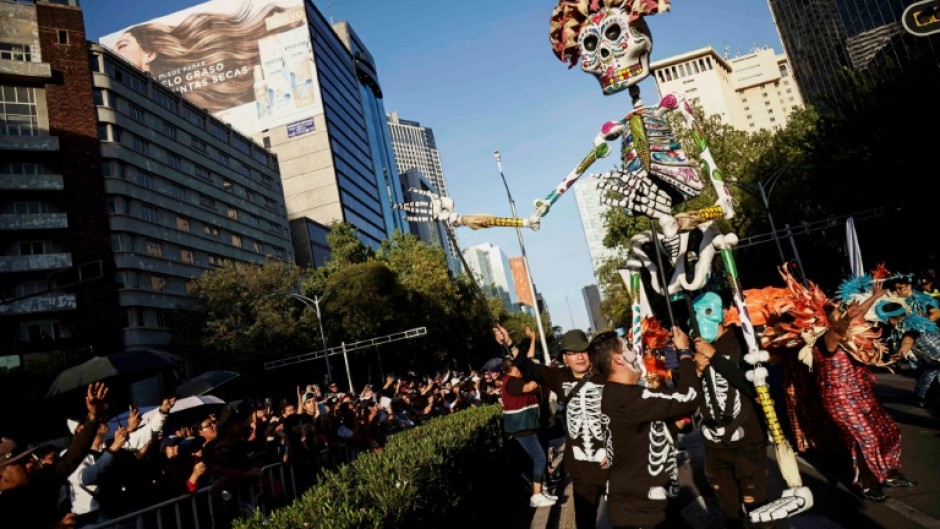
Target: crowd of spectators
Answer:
pixel 105 474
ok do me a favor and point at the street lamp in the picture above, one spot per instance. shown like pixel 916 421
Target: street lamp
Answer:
pixel 764 192
pixel 316 305
pixel 525 261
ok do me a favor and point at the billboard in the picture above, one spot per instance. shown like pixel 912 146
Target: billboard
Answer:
pixel 248 62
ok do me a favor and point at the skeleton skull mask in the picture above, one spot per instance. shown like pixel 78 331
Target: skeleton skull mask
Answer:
pixel 615 50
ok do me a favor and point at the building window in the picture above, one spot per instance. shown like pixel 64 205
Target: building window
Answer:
pixel 182 224
pixel 137 113
pixel 202 172
pixel 41 331
pixel 772 120
pixel 144 179
pixel 767 103
pixel 232 213
pixel 34 247
pixel 30 208
pixel 236 241
pixel 259 247
pixel 750 125
pixel 21 169
pixel 207 202
pixel 149 214
pixel 749 116
pixel 165 100
pixel 210 230
pixel 139 144
pixel 63 36
pixel 19 115
pixel 154 249
pixel 228 185
pixel 218 131
pixel 175 161
pixel 169 130
pixel 187 256
pixel 157 283
pixel 15 52
pixel 194 116
pixel 199 145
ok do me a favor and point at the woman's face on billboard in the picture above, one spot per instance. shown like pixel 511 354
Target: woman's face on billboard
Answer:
pixel 128 47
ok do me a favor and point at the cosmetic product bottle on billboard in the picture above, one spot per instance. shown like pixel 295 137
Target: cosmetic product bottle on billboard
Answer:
pixel 299 58
pixel 276 75
pixel 262 94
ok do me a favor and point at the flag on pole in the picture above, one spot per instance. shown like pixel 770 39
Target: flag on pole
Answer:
pixel 854 250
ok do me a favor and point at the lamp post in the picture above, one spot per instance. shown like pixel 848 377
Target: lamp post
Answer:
pixel 316 305
pixel 764 192
pixel 525 261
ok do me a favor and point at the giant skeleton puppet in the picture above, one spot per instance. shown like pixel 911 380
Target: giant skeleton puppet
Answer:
pixel 611 40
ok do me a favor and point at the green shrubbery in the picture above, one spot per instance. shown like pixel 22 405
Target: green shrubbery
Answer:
pixel 445 470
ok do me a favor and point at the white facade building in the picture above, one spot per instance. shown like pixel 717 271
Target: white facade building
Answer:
pixel 592 213
pixel 749 92
pixel 491 268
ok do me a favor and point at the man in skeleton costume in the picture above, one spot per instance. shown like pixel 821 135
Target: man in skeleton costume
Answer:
pixel 580 388
pixel 735 442
pixel 637 439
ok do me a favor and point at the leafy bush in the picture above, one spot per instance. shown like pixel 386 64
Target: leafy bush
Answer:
pixel 443 470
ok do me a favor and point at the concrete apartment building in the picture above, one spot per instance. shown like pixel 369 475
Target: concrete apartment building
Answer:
pixel 749 92
pixel 115 194
pixel 55 257
pixel 185 193
pixel 304 100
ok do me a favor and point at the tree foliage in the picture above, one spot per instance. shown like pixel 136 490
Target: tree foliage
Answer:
pixel 244 315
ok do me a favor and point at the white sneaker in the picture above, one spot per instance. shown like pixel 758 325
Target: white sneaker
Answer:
pixel 540 500
pixel 549 496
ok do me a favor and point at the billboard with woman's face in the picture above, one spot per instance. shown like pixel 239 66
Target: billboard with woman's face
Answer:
pixel 248 62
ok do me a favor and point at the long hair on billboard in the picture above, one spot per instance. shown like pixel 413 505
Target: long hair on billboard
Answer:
pixel 206 39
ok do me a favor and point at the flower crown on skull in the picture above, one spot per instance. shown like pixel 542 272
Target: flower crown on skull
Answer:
pixel 570 16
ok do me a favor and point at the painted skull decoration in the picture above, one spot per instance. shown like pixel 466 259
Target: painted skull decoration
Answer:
pixel 615 50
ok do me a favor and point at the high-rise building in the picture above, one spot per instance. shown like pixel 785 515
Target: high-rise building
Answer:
pixel 749 92
pixel 431 233
pixel 592 302
pixel 383 154
pixel 491 267
pixel 592 212
pixel 824 37
pixel 281 74
pixel 185 193
pixel 415 148
pixel 56 264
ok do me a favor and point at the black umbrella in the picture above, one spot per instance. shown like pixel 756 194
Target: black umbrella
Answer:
pixel 102 367
pixel 204 383
pixel 493 364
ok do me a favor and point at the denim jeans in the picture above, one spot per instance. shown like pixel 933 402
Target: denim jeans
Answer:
pixel 532 446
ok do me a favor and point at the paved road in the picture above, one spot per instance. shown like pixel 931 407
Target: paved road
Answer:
pixel 836 506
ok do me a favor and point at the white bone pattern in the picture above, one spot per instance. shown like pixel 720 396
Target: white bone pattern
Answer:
pixel 661 448
pixel 721 388
pixel 584 421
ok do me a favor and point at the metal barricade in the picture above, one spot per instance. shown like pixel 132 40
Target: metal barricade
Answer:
pixel 190 511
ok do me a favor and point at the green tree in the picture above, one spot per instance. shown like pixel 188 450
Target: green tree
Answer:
pixel 243 315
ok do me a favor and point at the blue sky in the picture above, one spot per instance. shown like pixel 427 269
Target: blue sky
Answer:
pixel 483 76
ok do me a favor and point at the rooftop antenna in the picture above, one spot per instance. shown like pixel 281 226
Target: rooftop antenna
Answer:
pixel 329 8
pixel 727 52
